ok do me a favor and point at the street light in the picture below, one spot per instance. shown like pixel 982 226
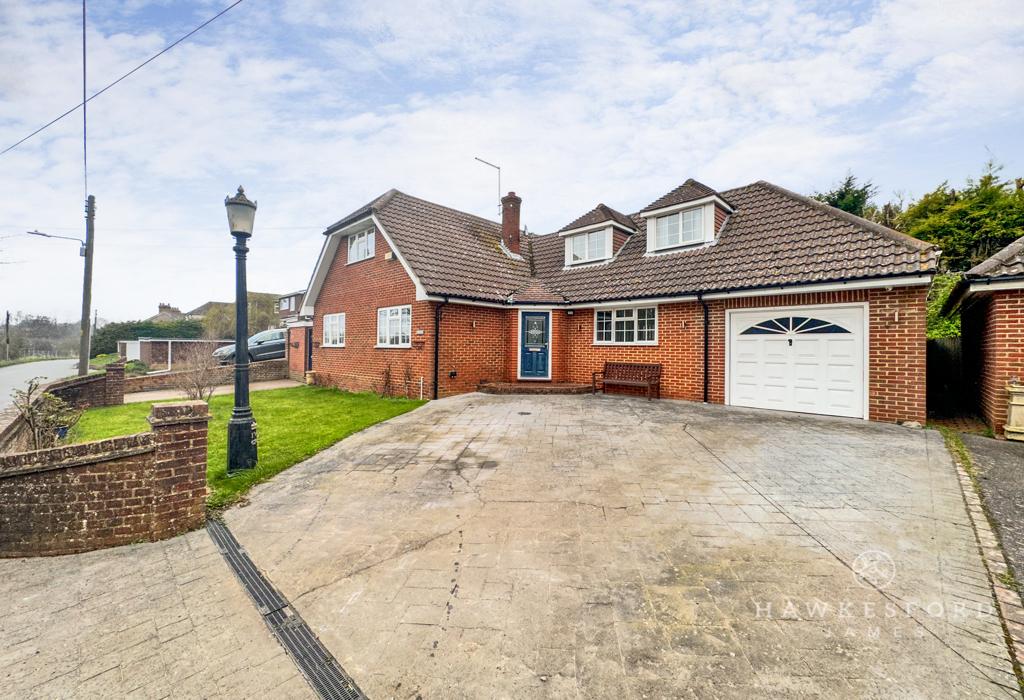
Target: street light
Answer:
pixel 86 251
pixel 242 453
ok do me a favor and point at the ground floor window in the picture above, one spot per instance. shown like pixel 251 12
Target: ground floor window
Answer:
pixel 631 326
pixel 334 330
pixel 394 327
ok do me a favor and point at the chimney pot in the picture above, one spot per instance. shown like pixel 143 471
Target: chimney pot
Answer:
pixel 510 205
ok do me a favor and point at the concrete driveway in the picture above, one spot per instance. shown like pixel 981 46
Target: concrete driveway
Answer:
pixel 500 546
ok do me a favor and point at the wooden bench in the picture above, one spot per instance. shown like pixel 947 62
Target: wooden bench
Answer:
pixel 639 374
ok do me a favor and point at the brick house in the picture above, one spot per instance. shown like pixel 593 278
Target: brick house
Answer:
pixel 990 298
pixel 754 296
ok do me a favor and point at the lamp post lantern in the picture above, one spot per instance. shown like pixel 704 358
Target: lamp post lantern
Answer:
pixel 242 453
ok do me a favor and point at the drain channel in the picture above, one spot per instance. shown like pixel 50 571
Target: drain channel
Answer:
pixel 321 670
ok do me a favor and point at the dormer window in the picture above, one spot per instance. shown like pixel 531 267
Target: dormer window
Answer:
pixel 682 228
pixel 592 246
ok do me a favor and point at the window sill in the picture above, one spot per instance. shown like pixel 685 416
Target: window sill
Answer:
pixel 356 262
pixel 404 346
pixel 325 345
pixel 642 343
pixel 585 263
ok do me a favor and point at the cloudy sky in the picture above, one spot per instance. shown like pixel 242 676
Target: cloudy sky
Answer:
pixel 317 107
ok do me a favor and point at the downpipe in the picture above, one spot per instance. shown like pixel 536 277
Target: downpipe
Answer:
pixel 437 343
pixel 707 335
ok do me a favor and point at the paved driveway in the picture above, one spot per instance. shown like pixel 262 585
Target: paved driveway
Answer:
pixel 610 547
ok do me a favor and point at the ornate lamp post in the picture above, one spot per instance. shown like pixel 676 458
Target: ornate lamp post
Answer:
pixel 242 426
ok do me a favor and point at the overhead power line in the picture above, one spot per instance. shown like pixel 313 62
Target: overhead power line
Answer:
pixel 149 60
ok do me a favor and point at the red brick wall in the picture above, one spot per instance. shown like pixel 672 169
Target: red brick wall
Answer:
pixel 358 290
pixel 472 345
pixel 102 494
pixel 896 352
pixel 263 371
pixel 297 353
pixel 993 335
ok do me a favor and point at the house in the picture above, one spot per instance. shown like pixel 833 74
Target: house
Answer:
pixel 166 313
pixel 288 305
pixel 990 298
pixel 753 296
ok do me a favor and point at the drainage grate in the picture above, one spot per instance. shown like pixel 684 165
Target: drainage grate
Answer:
pixel 321 670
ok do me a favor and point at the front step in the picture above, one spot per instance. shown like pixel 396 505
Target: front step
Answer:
pixel 534 388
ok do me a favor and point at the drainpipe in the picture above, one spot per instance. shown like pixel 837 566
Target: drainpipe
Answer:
pixel 707 332
pixel 437 342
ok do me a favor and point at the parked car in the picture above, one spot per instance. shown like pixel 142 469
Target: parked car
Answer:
pixel 265 345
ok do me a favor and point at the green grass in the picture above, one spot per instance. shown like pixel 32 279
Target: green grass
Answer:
pixel 293 424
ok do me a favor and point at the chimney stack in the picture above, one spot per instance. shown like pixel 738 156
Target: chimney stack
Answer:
pixel 510 204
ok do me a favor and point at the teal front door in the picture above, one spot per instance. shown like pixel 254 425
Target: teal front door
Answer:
pixel 534 344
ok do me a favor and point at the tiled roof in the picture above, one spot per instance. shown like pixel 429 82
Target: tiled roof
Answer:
pixel 600 214
pixel 774 237
pixel 1008 262
pixel 453 253
pixel 686 192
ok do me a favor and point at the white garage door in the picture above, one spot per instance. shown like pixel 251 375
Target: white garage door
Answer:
pixel 807 359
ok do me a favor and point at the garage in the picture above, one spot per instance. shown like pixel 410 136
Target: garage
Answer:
pixel 805 359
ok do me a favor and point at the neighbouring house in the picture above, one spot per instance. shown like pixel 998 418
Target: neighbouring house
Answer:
pixel 166 313
pixel 990 299
pixel 288 305
pixel 753 296
pixel 166 353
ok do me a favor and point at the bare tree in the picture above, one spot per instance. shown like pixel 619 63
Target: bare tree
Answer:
pixel 48 417
pixel 199 372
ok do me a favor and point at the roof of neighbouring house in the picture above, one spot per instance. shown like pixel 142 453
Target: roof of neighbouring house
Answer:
pixel 598 215
pixel 773 237
pixel 1005 266
pixel 1008 262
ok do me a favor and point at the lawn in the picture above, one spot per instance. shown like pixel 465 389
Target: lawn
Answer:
pixel 293 424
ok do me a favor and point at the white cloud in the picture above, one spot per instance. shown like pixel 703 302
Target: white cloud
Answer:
pixel 316 110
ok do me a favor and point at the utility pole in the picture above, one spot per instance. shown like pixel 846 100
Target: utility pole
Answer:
pixel 84 345
pixel 7 336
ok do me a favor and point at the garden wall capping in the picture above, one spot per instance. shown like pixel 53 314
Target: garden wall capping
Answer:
pixel 133 488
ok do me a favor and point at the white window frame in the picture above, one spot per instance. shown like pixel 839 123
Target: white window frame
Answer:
pixel 633 316
pixel 705 230
pixel 333 331
pixel 366 236
pixel 606 247
pixel 402 313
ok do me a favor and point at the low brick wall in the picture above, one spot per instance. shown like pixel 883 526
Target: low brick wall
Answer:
pixel 258 372
pixel 106 389
pixel 77 498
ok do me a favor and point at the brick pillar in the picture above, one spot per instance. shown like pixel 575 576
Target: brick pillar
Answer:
pixel 113 385
pixel 179 467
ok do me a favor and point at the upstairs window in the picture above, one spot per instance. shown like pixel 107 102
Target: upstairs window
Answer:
pixel 588 247
pixel 394 327
pixel 360 246
pixel 334 330
pixel 679 229
pixel 634 326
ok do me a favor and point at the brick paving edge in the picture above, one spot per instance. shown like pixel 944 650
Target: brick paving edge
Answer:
pixel 1008 600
